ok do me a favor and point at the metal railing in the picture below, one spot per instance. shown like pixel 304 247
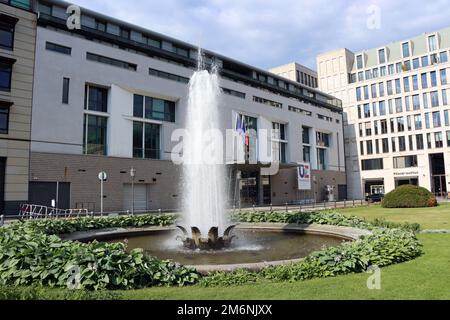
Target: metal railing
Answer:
pixel 31 211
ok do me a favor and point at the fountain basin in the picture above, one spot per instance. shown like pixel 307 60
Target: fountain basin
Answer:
pixel 258 245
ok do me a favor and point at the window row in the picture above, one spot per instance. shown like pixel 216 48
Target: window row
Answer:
pixel 397 86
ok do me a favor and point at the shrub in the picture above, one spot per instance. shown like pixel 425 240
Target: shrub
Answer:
pixel 408 196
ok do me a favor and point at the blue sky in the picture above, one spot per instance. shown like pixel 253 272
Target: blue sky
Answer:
pixel 267 33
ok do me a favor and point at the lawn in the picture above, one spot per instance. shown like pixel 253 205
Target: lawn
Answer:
pixel 428 218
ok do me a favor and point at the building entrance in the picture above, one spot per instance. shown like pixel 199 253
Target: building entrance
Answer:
pixel 438 178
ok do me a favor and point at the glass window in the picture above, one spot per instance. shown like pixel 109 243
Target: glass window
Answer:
pixel 432 43
pixel 381 89
pixel 425 61
pixel 359 112
pixel 436 119
pixel 366 110
pixel 382 56
pixel 424 81
pixel 138 140
pixel 416 102
pixel 359 62
pixel 391 69
pixel 24 4
pixel 446 118
pixel 401 144
pixel 360 76
pixel 438 140
pixel 398 67
pixel 416 63
pixel 369 146
pixel 444 97
pixel 383 125
pixel 427 121
pixel 389 87
pixel 433 79
pixel 407 104
pixel 366 92
pixel 443 56
pixel 372 164
pixel 305 135
pixel 138 106
pixel 429 145
pixel 405 162
pixel 443 73
pixel 95 135
pixel 448 139
pixel 58 48
pixel 4 119
pixel 392 121
pixel 158 109
pixel 415 82
pixel 321 159
pixel 65 92
pixel 368 127
pixel 418 121
pixel 394 148
pixel 419 142
pixel 409 123
pixel 358 94
pixel 6 35
pixel 373 89
pixel 368 74
pixel 400 124
pixel 5 77
pixel 375 73
pixel 383 71
pixel 425 101
pixel 406 84
pixel 398 86
pixel 382 108
pixel 97 99
pixel 398 105
pixel 307 154
pixel 405 50
pixel 322 139
pixel 391 108
pixel 385 145
pixel 434 99
pixel 152 141
pixel 374 109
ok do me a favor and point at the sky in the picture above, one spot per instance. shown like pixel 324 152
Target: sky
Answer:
pixel 269 33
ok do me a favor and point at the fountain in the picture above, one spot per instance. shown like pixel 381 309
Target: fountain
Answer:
pixel 203 165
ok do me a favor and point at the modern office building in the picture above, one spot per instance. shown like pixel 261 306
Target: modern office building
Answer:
pixel 108 96
pixel 298 73
pixel 396 113
pixel 17 48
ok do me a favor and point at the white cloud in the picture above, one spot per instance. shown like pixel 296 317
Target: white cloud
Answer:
pixel 267 33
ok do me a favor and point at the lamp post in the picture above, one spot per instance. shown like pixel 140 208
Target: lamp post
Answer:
pixel 132 175
pixel 102 176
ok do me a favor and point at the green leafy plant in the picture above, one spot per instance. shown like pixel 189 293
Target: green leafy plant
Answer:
pixel 408 196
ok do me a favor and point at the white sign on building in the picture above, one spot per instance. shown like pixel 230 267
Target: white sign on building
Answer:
pixel 304 176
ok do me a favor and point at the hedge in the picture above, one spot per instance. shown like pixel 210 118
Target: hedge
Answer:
pixel 408 196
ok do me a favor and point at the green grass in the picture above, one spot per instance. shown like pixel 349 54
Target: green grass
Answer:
pixel 428 218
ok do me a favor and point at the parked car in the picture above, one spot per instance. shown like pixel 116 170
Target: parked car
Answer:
pixel 376 197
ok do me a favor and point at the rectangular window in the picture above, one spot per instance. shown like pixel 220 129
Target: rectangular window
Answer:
pixel 65 92
pixel 359 112
pixel 383 124
pixel 169 76
pixel 398 105
pixel 358 94
pixel 152 141
pixel 366 110
pixel 429 145
pixel 158 109
pixel 401 144
pixel 425 101
pixel 385 145
pixel 446 118
pixel 368 74
pixel 305 135
pixel 394 149
pixel 427 121
pixel 436 119
pixel 415 82
pixel 381 56
pixel 382 108
pixel 434 99
pixel 95 135
pixel 369 146
pixel 425 61
pixel 443 73
pixel 411 143
pixel 58 48
pixel 368 127
pixel 406 84
pixel 405 162
pixel 381 89
pixel 443 56
pixel 405 50
pixel 24 4
pixel 392 121
pixel 377 146
pixel 321 159
pixel 268 102
pixel 366 92
pixel 400 124
pixel 233 93
pixel 375 127
pixel 398 86
pixel 138 106
pixel 419 142
pixel 96 99
pixel 448 139
pixel 389 87
pixel 391 69
pixel 7 33
pixel 438 140
pixel 307 154
pixel 424 81
pixel 409 123
pixel 359 62
pixel 418 121
pixel 5 76
pixel 416 63
pixel 373 89
pixel 407 103
pixel 279 142
pixel 432 43
pixel 372 164
pixel 375 73
pixel 374 109
pixel 110 61
pixel 433 79
pixel 138 140
pixel 382 71
pixel 360 76
pixel 390 106
pixel 444 97
pixel 4 119
pixel 322 139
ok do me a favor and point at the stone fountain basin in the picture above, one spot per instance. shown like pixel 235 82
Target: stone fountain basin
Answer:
pixel 344 233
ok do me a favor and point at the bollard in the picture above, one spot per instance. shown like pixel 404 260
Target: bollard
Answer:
pixel 271 207
pixel 2 220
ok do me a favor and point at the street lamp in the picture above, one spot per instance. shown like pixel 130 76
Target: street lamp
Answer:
pixel 132 175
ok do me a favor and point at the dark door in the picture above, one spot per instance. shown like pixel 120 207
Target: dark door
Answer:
pixel 42 193
pixel 342 192
pixel 2 184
